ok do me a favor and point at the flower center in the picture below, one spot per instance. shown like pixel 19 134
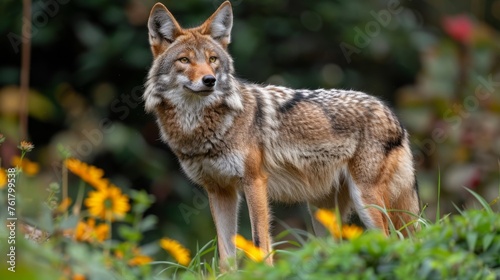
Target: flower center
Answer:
pixel 108 203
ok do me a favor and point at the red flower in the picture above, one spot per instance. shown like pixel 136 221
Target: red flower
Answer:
pixel 458 27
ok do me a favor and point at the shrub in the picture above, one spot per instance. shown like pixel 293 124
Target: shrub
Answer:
pixel 465 246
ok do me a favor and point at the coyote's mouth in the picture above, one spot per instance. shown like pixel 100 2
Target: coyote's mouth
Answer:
pixel 204 92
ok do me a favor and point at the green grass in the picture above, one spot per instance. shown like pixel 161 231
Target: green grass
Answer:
pixel 464 246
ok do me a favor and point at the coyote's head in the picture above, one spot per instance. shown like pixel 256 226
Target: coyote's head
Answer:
pixel 188 63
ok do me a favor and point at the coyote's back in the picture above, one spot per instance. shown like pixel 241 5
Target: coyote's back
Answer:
pixel 330 148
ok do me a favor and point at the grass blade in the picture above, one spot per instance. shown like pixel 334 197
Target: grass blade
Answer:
pixel 457 208
pixel 296 233
pixel 392 228
pixel 438 208
pixel 481 200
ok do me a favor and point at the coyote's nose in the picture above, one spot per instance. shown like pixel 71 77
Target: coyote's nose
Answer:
pixel 208 80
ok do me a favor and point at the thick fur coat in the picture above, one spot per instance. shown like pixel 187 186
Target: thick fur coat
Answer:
pixel 328 147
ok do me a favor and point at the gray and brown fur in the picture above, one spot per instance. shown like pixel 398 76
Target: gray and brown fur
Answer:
pixel 328 147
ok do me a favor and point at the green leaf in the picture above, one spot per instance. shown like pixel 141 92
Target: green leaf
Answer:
pixel 487 240
pixel 45 221
pixel 148 223
pixel 129 233
pixel 68 222
pixel 472 240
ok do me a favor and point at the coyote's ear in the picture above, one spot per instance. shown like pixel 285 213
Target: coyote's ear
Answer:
pixel 219 24
pixel 163 29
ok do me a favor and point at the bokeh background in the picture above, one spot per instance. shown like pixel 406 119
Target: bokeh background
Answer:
pixel 435 62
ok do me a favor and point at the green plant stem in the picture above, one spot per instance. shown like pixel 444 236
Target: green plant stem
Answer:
pixel 107 244
pixel 19 169
pixel 339 223
pixel 137 218
pixel 438 210
pixel 78 203
pixel 49 198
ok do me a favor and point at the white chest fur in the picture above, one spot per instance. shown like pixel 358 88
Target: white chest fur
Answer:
pixel 223 169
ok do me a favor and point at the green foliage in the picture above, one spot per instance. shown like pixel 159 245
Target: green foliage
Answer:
pixel 50 243
pixel 465 246
pixel 475 232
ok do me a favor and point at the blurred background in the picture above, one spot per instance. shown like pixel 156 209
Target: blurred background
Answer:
pixel 435 62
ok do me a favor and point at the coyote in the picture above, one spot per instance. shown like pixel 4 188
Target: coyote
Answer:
pixel 327 147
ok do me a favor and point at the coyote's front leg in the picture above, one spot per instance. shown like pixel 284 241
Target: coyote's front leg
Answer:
pixel 224 208
pixel 255 188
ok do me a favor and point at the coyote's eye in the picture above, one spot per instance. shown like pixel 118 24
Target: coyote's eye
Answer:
pixel 184 60
pixel 212 59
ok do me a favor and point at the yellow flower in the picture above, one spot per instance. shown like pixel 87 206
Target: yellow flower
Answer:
pixel 3 178
pixel 119 254
pixel 328 219
pixel 174 248
pixel 351 232
pixel 89 173
pixel 89 232
pixel 253 252
pixel 29 168
pixel 108 203
pixel 139 260
pixel 78 276
pixel 137 257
